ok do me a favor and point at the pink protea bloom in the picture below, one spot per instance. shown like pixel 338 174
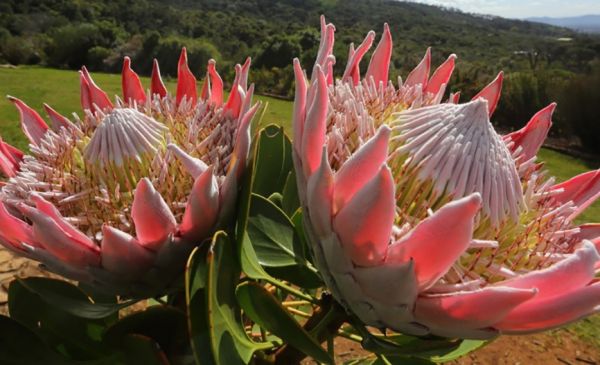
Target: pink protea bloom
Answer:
pixel 120 197
pixel 422 218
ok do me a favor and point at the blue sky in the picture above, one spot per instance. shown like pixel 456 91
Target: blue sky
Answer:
pixel 522 8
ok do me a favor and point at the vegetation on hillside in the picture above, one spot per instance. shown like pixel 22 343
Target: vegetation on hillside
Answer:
pixel 540 61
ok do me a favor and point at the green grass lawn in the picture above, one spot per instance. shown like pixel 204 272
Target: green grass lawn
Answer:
pixel 60 89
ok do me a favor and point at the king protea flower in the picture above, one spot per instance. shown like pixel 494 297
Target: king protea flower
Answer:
pixel 422 218
pixel 120 197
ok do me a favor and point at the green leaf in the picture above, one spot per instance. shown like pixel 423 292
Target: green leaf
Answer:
pixel 196 275
pixel 230 344
pixel 397 348
pixel 264 309
pixel 165 325
pixel 465 347
pixel 249 260
pixel 141 350
pixel 272 234
pixel 291 201
pixel 76 337
pixel 278 247
pixel 71 299
pixel 19 345
pixel 273 161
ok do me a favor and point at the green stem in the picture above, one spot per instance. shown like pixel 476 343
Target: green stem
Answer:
pixel 291 290
pixel 350 336
pixel 323 326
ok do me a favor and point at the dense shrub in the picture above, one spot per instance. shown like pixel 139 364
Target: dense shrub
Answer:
pixel 579 100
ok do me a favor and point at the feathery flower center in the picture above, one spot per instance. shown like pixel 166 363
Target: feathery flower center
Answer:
pixel 123 146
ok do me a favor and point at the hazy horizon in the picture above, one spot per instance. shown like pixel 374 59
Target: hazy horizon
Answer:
pixel 520 9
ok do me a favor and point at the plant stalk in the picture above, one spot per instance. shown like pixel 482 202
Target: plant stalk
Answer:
pixel 323 325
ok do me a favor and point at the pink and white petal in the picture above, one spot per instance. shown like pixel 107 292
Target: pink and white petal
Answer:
pixel 247 100
pixel 17 154
pixel 84 93
pixel 123 254
pixel 531 137
pixel 13 229
pixel 438 241
pixel 352 71
pixel 454 98
pixel 96 95
pixel 239 156
pixel 59 242
pixel 244 74
pixel 156 85
pixel 471 310
pixel 420 74
pixel 591 232
pixel 573 186
pixel 313 136
pixel 491 93
pixel 299 106
pixel 32 123
pixel 51 211
pixel 391 284
pixel 57 120
pixel 325 47
pixel 361 167
pixel 583 190
pixel 202 210
pixel 153 219
pixel 379 65
pixel 572 273
pixel 131 84
pixel 9 168
pixel 10 159
pixel 441 76
pixel 194 166
pixel 205 91
pixel 552 312
pixel 186 82
pixel 228 193
pixel 234 101
pixel 364 224
pixel 319 196
pixel 216 84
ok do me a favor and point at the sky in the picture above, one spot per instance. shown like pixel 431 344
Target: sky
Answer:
pixel 522 8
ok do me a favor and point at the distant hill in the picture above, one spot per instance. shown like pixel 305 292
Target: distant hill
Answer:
pixel 98 33
pixel 584 23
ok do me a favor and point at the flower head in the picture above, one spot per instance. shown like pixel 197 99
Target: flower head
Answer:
pixel 422 218
pixel 119 197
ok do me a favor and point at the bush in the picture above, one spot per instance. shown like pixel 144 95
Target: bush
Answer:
pixel 199 52
pixel 579 102
pixel 96 57
pixel 19 50
pixel 71 44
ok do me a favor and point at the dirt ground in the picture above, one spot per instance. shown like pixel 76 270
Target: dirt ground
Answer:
pixel 561 347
